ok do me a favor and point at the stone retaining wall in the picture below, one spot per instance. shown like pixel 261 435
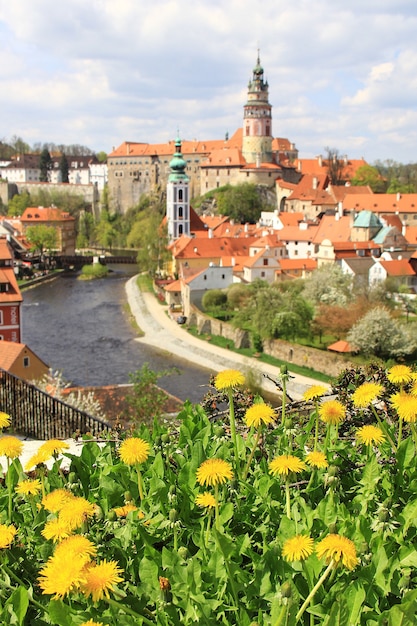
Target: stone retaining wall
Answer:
pixel 328 363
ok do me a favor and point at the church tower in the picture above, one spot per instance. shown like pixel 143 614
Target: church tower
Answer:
pixel 257 120
pixel 178 196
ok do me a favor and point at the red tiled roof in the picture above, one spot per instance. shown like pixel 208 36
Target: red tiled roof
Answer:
pixel 9 352
pixel 7 275
pixel 400 267
pixel 388 203
pixel 340 346
pixel 46 214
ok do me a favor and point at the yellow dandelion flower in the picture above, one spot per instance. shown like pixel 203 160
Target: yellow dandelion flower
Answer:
pixel 100 579
pixel 40 457
pixel 4 420
pixel 60 577
pixel 400 375
pixel 314 392
pixel 366 393
pixel 214 472
pixel 370 435
pixel 75 512
pixel 413 388
pixel 285 464
pixel 134 450
pixel 258 414
pixel 56 530
pixel 11 447
pixel 7 534
pixel 92 623
pixel 29 487
pixel 229 379
pixel 339 549
pixel 76 545
pixel 54 446
pixel 206 500
pixel 298 548
pixel 317 459
pixel 406 406
pixel 332 412
pixel 123 511
pixel 54 501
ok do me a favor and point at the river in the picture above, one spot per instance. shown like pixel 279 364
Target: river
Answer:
pixel 82 329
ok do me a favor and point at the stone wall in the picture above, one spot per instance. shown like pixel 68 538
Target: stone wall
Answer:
pixel 328 363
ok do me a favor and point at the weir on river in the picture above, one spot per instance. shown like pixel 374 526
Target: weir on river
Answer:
pixel 82 329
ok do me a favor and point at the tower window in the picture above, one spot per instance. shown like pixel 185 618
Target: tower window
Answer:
pixel 179 194
pixel 180 229
pixel 180 212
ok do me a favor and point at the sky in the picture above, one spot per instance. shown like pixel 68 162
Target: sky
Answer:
pixel 341 74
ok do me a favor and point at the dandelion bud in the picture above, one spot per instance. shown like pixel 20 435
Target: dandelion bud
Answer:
pixel 112 515
pixel 333 470
pixel 183 552
pixel 173 515
pixel 165 438
pixel 286 590
pixel 128 496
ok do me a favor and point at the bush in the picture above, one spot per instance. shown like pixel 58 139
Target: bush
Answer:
pixel 89 272
pixel 214 298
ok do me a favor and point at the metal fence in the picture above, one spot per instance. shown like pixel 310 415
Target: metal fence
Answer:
pixel 36 414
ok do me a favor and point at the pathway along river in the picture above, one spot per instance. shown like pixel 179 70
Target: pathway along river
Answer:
pixel 82 329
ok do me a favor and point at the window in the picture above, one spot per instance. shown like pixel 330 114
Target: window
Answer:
pixel 262 274
pixel 180 212
pixel 205 277
pixel 26 361
pixel 180 229
pixel 4 287
pixel 265 261
pixel 180 195
pixel 1 318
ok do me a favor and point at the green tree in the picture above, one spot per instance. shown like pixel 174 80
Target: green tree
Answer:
pixel 242 203
pixel 378 334
pixel 42 237
pixel 105 233
pixel 64 169
pixel 367 175
pixel 146 400
pixel 102 156
pixel 328 285
pixel 152 240
pixel 18 204
pixel 85 230
pixel 45 166
pixel 214 299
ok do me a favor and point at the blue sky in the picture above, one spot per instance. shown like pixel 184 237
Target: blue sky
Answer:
pixel 341 74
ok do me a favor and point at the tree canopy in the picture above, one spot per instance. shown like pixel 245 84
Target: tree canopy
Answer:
pixel 42 237
pixel 45 166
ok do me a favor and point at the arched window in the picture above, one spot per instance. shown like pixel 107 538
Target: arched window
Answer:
pixel 180 195
pixel 180 212
pixel 180 229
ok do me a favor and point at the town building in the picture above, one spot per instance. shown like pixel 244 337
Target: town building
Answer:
pixel 10 296
pixel 63 222
pixel 250 155
pixel 18 359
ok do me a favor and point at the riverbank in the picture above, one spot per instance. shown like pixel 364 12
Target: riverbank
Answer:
pixel 163 332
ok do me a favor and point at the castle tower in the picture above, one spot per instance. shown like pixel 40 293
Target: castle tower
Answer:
pixel 178 196
pixel 257 120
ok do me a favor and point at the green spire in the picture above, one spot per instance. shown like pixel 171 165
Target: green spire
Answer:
pixel 177 164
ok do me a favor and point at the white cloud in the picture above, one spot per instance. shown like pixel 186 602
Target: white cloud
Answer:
pixel 101 72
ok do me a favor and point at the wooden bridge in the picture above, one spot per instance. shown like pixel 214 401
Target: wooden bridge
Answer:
pixel 77 261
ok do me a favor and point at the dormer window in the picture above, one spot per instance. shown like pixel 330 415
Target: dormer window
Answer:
pixel 4 287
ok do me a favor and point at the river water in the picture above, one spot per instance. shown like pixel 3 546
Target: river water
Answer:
pixel 82 329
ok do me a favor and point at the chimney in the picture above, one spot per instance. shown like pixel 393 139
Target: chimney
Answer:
pixel 210 233
pixel 398 195
pixel 127 148
pixel 315 182
pixel 320 160
pixel 258 161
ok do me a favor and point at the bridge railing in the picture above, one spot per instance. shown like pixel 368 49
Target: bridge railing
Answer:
pixel 34 413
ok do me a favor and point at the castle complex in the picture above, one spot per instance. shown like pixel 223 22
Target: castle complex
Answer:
pixel 250 155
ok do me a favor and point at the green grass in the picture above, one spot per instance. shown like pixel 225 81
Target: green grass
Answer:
pixel 222 342
pixel 89 272
pixel 144 282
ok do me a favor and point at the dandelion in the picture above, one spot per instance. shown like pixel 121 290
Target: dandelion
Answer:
pixel 4 420
pixel 332 412
pixel 284 464
pixel 370 435
pixel 39 458
pixel 92 623
pixel 400 375
pixel 259 414
pixel 338 549
pixel 314 392
pixel 101 579
pixel 297 548
pixel 366 393
pixel 206 500
pixel 123 511
pixel 7 534
pixel 29 487
pixel 134 450
pixel 317 459
pixel 229 379
pixel 56 500
pixel 60 577
pixel 214 472
pixel 75 512
pixel 406 406
pixel 11 447
pixel 56 530
pixel 54 446
pixel 76 546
